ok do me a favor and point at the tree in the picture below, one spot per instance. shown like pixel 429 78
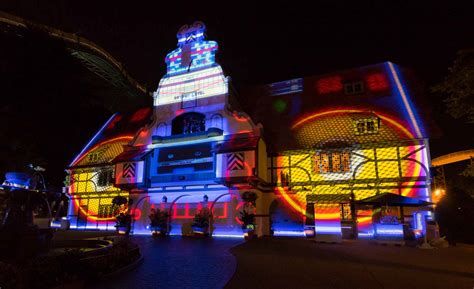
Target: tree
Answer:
pixel 458 91
pixel 458 87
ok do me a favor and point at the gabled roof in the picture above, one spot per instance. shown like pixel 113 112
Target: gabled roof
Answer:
pixel 117 131
pixel 382 88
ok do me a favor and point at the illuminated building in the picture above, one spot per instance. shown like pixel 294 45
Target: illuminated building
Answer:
pixel 354 134
pixel 195 151
pixel 333 140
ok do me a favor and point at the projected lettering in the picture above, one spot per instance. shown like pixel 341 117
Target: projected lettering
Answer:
pixel 190 86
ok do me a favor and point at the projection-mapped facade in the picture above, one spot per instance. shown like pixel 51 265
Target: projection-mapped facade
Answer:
pixel 334 141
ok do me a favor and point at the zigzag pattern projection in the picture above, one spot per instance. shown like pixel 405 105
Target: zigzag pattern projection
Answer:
pixel 235 161
pixel 129 170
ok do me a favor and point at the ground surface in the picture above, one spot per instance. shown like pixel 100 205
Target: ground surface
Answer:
pixel 176 262
pixel 300 263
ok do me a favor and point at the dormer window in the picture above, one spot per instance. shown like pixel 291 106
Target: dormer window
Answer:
pixel 366 126
pixel 360 127
pixel 356 87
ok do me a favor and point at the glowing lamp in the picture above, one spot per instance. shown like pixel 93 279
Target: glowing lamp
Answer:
pixel 438 194
pixel 309 232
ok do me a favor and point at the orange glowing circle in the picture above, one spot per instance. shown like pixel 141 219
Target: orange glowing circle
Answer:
pixel 76 199
pixel 101 144
pixel 298 208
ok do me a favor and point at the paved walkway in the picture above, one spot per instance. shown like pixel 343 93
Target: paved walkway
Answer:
pixel 177 262
pixel 300 263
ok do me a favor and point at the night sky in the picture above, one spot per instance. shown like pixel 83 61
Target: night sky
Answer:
pixel 271 42
pixel 258 44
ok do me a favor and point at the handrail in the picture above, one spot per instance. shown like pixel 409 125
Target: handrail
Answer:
pixel 452 158
pixel 71 38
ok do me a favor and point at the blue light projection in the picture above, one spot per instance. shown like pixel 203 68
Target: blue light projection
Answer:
pixel 192 71
pixel 193 51
pixel 401 90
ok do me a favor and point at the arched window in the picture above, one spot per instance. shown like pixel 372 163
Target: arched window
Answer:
pixel 160 129
pixel 190 122
pixel 216 121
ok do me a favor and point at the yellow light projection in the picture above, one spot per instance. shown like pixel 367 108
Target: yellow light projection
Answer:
pixel 340 161
pixel 92 188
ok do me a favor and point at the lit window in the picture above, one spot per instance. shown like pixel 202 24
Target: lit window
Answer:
pixel 354 87
pixel 370 126
pixel 216 121
pixel 104 178
pixel 332 162
pixel 346 211
pixel 366 126
pixel 360 127
pixel 190 122
pixel 106 211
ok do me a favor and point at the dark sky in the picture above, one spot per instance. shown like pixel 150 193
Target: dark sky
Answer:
pixel 272 41
pixel 258 44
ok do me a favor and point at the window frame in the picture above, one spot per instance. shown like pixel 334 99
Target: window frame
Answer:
pixel 322 159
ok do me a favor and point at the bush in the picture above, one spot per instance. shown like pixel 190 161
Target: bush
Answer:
pixel 201 219
pixel 158 218
pixel 10 277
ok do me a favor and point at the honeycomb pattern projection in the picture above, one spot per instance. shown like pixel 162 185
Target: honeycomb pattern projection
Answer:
pixel 394 167
pixel 93 191
pixel 103 153
pixel 341 128
pixel 92 188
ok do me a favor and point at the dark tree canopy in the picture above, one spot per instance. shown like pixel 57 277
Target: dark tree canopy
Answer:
pixel 458 87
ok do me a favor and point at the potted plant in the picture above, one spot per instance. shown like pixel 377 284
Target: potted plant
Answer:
pixel 247 215
pixel 123 218
pixel 200 224
pixel 124 224
pixel 159 222
pixel 248 224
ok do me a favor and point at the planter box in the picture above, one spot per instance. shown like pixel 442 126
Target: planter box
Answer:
pixel 158 230
pixel 249 233
pixel 123 230
pixel 199 231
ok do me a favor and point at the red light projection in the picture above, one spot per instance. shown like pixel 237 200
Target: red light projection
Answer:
pixel 377 82
pixel 136 213
pixel 188 211
pixel 114 122
pixel 140 114
pixel 329 85
pixel 179 112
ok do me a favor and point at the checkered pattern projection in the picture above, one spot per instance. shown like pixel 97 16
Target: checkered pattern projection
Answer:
pixel 102 153
pixel 340 164
pixel 193 51
pixel 91 188
pixel 92 192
